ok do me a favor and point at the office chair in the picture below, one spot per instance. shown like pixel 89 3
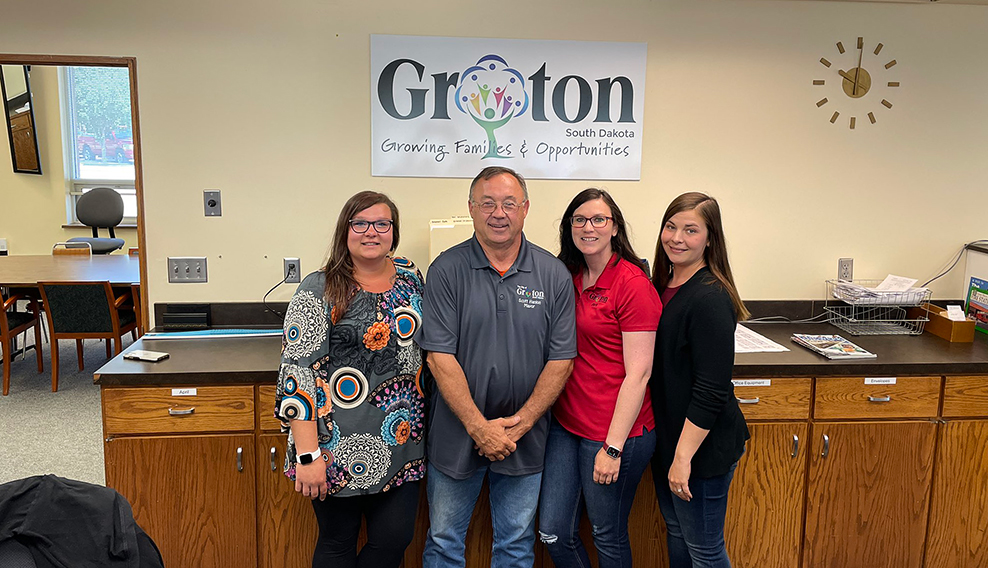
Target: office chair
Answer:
pixel 12 323
pixel 72 248
pixel 85 310
pixel 100 207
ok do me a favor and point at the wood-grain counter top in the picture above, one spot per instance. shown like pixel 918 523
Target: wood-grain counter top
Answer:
pixel 256 359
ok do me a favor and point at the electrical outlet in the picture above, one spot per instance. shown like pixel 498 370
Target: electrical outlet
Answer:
pixel 211 202
pixel 292 273
pixel 186 269
pixel 845 269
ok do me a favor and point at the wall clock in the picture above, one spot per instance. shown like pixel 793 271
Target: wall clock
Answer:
pixel 863 74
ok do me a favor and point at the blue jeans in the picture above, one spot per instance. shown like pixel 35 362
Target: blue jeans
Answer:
pixel 451 503
pixel 696 528
pixel 567 483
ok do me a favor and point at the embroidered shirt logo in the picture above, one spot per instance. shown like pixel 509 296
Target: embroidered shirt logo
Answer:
pixel 529 298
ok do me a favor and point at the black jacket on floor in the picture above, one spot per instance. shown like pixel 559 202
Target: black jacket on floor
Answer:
pixel 72 524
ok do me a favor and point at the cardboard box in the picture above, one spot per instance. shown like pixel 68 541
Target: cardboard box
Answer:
pixel 940 326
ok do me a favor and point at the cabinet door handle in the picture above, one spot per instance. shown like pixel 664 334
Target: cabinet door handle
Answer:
pixel 240 459
pixel 826 446
pixel 182 412
pixel 795 445
pixel 748 400
pixel 886 398
pixel 274 454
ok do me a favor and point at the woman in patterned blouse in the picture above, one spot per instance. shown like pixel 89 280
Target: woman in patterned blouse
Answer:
pixel 349 393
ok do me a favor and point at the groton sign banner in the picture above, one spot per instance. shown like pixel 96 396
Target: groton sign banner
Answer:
pixel 448 107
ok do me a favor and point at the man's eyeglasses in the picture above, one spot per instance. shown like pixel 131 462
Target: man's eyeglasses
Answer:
pixel 489 207
pixel 598 221
pixel 380 227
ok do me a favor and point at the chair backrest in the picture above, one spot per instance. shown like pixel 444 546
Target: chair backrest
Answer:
pixel 100 207
pixel 80 248
pixel 78 307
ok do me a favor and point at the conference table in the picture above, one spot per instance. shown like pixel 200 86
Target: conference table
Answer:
pixel 25 271
pixel 20 272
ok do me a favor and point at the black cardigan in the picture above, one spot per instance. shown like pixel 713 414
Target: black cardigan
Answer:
pixel 691 378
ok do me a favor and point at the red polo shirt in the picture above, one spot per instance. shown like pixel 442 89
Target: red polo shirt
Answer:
pixel 623 299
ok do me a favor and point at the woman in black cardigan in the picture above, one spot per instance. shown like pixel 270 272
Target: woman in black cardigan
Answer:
pixel 701 431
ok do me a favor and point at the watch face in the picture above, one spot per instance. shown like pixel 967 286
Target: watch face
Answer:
pixel 857 82
pixel 613 452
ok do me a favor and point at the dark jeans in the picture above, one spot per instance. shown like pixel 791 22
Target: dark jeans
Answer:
pixel 696 528
pixel 567 484
pixel 390 528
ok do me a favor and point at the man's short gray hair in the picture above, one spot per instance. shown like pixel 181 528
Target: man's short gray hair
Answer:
pixel 491 171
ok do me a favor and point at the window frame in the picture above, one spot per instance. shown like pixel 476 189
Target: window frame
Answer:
pixel 75 185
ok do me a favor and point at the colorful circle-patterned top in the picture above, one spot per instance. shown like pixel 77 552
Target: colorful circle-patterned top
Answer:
pixel 357 375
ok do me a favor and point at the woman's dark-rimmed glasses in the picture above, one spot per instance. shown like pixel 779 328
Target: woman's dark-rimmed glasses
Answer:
pixel 360 226
pixel 598 221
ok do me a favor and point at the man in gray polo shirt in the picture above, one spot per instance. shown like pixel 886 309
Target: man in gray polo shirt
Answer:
pixel 499 323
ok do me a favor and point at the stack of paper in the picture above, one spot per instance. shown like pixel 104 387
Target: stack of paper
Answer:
pixel 831 346
pixel 894 290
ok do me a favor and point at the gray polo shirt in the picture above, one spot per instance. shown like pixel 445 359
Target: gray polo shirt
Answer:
pixel 503 330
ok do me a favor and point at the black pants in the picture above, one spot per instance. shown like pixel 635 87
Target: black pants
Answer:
pixel 390 528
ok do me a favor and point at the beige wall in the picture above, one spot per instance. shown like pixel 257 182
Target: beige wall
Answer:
pixel 33 207
pixel 729 109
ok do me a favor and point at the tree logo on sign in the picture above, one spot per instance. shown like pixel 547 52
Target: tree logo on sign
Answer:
pixel 492 94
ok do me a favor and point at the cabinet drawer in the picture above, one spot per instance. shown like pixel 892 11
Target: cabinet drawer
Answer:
pixel 965 396
pixel 265 408
pixel 161 410
pixel 773 399
pixel 909 397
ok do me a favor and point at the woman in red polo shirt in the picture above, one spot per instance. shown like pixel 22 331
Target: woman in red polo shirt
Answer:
pixel 603 420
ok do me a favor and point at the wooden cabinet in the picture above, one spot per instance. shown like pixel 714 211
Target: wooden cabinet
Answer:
pixel 854 398
pixel 765 505
pixel 868 494
pixel 25 145
pixel 764 521
pixel 194 495
pixel 959 508
pixel 884 475
pixel 286 524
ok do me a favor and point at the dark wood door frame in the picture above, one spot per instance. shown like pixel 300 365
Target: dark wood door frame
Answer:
pixel 131 64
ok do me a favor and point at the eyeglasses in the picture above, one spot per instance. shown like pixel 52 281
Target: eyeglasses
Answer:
pixel 489 207
pixel 598 221
pixel 360 226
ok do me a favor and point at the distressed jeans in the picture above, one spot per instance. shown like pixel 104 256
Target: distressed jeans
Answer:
pixel 568 486
pixel 696 528
pixel 451 503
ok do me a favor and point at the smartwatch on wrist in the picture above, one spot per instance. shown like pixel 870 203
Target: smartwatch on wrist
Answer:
pixel 308 458
pixel 611 451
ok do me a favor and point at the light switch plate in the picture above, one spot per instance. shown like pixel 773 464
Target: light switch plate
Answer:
pixel 211 202
pixel 186 269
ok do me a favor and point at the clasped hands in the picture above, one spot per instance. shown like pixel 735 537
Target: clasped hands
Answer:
pixel 497 438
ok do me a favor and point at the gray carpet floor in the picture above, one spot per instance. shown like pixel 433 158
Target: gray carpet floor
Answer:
pixel 60 432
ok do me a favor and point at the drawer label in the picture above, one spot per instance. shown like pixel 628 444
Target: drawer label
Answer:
pixel 752 382
pixel 183 392
pixel 879 380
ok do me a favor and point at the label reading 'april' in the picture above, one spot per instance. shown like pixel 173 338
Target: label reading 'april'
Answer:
pixel 183 392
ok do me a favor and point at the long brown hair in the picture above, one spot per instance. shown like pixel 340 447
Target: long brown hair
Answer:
pixel 571 256
pixel 714 255
pixel 341 284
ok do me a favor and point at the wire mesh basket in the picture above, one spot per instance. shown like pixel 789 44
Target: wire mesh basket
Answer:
pixel 858 309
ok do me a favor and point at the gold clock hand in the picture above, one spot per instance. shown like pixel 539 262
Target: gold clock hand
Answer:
pixel 845 75
pixel 857 70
